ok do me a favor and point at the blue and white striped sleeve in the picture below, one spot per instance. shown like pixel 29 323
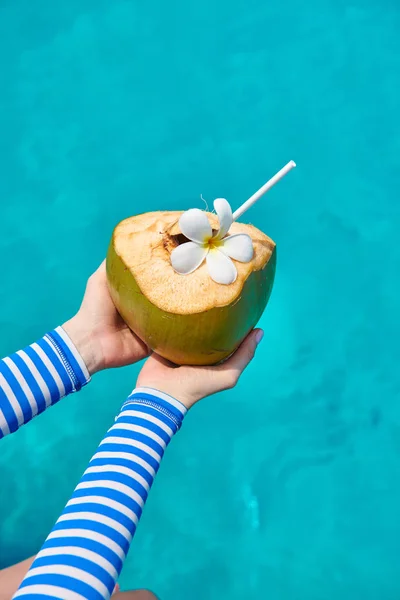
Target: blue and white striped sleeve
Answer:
pixel 83 556
pixel 37 377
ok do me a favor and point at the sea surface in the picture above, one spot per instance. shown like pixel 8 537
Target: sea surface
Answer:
pixel 288 487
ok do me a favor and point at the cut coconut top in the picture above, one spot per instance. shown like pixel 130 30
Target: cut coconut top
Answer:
pixel 145 243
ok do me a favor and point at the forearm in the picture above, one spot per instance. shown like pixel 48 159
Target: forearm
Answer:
pixel 37 377
pixel 84 553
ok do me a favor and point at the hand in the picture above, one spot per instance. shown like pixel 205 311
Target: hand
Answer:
pixel 190 384
pixel 99 333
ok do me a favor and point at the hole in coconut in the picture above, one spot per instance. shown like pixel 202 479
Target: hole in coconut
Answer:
pixel 179 238
pixel 172 241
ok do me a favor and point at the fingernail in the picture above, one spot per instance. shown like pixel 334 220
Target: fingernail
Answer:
pixel 259 336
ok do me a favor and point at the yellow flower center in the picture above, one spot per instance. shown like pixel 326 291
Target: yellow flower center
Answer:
pixel 211 243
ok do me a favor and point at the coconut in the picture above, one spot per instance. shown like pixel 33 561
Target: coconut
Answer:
pixel 187 319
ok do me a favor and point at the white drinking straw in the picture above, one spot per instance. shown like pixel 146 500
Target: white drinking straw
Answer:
pixel 267 186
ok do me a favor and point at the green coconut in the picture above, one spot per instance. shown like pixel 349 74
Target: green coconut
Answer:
pixel 188 319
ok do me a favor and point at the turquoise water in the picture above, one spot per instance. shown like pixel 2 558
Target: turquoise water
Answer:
pixel 287 488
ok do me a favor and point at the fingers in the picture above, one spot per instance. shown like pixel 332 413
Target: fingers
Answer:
pixel 164 361
pixel 190 384
pixel 97 287
pixel 97 279
pixel 159 360
pixel 236 364
pixel 102 268
pixel 100 273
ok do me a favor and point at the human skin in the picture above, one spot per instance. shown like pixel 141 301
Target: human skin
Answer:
pixel 104 341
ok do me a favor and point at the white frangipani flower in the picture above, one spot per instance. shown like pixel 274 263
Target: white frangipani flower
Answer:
pixel 216 249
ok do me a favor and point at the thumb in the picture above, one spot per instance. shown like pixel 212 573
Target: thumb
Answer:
pixel 99 276
pixel 237 363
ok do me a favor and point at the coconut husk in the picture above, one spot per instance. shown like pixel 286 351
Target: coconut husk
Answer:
pixel 188 319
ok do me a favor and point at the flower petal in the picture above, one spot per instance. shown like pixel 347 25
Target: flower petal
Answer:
pixel 220 267
pixel 238 246
pixel 186 258
pixel 195 225
pixel 224 212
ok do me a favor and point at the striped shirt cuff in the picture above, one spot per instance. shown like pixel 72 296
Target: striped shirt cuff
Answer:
pixel 37 377
pixel 72 360
pixel 159 400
